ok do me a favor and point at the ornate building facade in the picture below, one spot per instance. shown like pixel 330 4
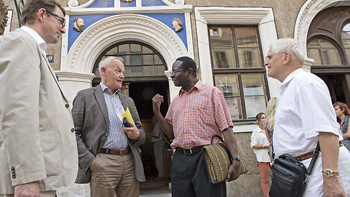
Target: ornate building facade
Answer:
pixel 228 39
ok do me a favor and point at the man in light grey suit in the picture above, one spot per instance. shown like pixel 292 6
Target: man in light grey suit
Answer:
pixel 38 152
pixel 108 151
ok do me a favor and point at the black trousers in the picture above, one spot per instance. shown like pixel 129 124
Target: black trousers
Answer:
pixel 190 178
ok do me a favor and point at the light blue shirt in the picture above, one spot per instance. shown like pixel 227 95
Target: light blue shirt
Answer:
pixel 116 138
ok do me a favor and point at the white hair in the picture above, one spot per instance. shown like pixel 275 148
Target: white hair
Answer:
pixel 288 45
pixel 106 61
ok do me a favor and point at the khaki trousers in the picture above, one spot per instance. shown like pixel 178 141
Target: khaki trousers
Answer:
pixel 113 175
pixel 42 194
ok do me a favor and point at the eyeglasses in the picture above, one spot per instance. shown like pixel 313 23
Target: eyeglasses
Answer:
pixel 269 57
pixel 173 72
pixel 63 20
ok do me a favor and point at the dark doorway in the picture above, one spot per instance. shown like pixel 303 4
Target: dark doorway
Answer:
pixel 142 93
pixel 335 86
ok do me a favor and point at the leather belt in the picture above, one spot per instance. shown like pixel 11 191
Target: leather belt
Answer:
pixel 309 154
pixel 189 151
pixel 120 152
pixel 304 156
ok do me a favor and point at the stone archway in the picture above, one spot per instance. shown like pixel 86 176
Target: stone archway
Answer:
pixel 307 13
pixel 76 69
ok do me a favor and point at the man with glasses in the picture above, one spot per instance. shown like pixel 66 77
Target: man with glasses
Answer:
pixel 304 117
pixel 195 115
pixel 38 151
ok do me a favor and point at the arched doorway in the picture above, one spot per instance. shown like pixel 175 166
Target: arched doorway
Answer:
pixel 328 44
pixel 144 77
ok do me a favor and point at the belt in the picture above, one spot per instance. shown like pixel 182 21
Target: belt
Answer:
pixel 309 154
pixel 190 150
pixel 304 156
pixel 120 152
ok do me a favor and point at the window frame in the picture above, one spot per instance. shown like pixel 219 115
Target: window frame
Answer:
pixel 133 78
pixel 237 70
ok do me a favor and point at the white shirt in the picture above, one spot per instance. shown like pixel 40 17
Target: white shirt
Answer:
pixel 304 110
pixel 38 39
pixel 259 138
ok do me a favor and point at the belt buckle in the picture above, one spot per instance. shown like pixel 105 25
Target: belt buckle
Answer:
pixel 189 153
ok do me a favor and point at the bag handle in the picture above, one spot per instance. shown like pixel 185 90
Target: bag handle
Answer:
pixel 212 138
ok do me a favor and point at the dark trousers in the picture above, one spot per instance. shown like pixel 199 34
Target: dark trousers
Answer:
pixel 190 178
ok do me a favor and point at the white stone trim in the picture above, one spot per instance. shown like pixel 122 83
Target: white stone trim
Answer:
pixel 307 13
pixel 108 31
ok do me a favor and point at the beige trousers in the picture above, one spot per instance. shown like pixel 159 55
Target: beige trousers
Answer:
pixel 113 175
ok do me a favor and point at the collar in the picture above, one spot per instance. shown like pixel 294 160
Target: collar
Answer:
pixel 38 39
pixel 292 75
pixel 105 89
pixel 196 86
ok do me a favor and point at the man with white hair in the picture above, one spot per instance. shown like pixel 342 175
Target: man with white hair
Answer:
pixel 305 116
pixel 108 152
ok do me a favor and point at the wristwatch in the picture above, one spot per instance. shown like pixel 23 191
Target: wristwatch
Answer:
pixel 235 158
pixel 329 173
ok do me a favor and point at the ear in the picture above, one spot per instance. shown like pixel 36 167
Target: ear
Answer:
pixel 190 71
pixel 287 58
pixel 40 14
pixel 103 70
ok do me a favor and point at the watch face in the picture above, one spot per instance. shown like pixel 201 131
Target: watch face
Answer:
pixel 327 173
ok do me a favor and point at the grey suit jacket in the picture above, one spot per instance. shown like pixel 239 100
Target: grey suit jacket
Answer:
pixel 91 122
pixel 37 139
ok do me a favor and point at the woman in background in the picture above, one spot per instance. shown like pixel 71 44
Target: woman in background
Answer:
pixel 269 123
pixel 261 147
pixel 342 111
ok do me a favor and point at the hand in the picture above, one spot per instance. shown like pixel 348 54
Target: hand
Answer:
pixel 92 164
pixel 27 190
pixel 157 101
pixel 132 132
pixel 332 187
pixel 233 172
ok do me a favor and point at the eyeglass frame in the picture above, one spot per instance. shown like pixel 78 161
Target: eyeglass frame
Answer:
pixel 176 71
pixel 61 19
pixel 269 57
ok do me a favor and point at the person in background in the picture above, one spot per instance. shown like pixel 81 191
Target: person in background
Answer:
pixel 269 122
pixel 304 117
pixel 195 115
pixel 261 147
pixel 38 151
pixel 158 140
pixel 109 156
pixel 342 111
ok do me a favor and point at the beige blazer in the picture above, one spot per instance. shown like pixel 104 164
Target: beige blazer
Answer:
pixel 37 139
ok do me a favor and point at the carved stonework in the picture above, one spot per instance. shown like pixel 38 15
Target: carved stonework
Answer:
pixel 128 26
pixel 3 17
pixel 307 13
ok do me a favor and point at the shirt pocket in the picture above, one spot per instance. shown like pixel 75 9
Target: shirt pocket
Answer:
pixel 51 151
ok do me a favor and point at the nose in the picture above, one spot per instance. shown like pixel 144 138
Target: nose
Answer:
pixel 266 63
pixel 63 30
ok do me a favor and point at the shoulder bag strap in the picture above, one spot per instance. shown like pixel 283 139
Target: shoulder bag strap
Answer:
pixel 314 158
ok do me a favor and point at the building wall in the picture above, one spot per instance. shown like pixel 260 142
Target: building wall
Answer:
pixel 288 22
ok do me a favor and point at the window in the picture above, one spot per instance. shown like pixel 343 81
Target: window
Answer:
pixel 345 35
pixel 323 52
pixel 238 69
pixel 140 60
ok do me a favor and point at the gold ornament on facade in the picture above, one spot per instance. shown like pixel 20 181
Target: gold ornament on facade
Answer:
pixel 127 0
pixel 3 17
